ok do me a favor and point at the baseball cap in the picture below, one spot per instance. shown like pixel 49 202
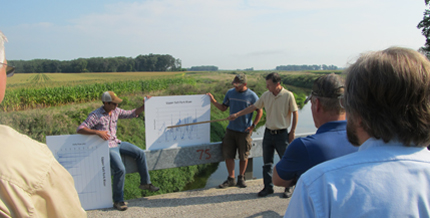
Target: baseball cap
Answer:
pixel 327 86
pixel 110 96
pixel 239 78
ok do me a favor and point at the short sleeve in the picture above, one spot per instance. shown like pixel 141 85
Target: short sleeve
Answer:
pixel 294 162
pixel 293 104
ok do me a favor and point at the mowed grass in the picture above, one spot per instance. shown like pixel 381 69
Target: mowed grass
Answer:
pixel 38 80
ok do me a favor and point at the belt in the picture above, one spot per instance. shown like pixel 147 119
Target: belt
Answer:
pixel 275 132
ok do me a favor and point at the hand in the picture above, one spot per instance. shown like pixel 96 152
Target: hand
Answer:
pixel 103 134
pixel 232 117
pixel 147 97
pixel 291 136
pixel 211 97
pixel 249 129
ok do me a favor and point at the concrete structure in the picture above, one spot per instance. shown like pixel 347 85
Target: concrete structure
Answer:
pixel 193 155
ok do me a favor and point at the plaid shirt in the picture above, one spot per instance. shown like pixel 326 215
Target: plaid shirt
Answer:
pixel 100 120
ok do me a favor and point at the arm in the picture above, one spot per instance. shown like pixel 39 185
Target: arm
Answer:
pixel 292 133
pixel 86 127
pixel 256 120
pixel 140 109
pixel 221 107
pixel 280 182
pixel 87 131
pixel 247 110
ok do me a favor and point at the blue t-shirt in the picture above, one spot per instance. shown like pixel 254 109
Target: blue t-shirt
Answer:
pixel 329 142
pixel 238 101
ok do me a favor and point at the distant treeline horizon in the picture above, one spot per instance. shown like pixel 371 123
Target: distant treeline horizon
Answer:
pixel 150 63
pixel 278 68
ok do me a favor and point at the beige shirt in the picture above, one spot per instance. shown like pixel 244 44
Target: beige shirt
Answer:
pixel 32 182
pixel 278 108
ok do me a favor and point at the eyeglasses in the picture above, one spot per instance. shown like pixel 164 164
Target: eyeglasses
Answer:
pixel 113 103
pixel 10 70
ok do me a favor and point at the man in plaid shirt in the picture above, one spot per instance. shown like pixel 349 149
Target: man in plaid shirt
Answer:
pixel 103 122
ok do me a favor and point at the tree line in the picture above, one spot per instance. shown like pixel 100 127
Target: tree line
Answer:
pixel 151 62
pixel 306 67
pixel 425 26
pixel 203 68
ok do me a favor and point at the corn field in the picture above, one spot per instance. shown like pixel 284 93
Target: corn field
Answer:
pixel 27 98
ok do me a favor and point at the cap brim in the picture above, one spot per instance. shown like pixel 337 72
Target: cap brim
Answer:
pixel 117 100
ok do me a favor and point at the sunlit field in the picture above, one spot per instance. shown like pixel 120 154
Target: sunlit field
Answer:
pixel 34 80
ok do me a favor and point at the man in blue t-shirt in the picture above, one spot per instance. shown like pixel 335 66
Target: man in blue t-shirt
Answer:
pixel 238 133
pixel 330 140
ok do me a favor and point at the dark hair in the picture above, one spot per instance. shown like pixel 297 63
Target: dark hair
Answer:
pixel 327 89
pixel 274 77
pixel 390 91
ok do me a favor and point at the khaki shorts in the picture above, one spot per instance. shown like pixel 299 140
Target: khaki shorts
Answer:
pixel 233 141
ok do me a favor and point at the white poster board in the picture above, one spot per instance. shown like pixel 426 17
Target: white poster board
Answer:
pixel 164 111
pixel 86 157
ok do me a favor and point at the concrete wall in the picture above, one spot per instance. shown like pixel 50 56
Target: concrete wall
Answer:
pixel 188 156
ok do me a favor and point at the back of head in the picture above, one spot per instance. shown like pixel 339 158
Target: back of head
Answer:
pixel 328 89
pixel 390 91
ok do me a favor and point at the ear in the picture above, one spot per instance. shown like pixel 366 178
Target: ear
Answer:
pixel 318 107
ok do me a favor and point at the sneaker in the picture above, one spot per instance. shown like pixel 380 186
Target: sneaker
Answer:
pixel 241 181
pixel 288 192
pixel 120 206
pixel 265 192
pixel 149 187
pixel 228 183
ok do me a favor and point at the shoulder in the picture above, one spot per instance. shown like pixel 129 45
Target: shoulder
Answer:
pixel 252 93
pixel 286 92
pixel 230 91
pixel 332 168
pixel 97 113
pixel 15 160
pixel 266 94
pixel 248 94
pixel 297 146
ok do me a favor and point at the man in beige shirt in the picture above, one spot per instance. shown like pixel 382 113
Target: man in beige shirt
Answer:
pixel 280 104
pixel 32 182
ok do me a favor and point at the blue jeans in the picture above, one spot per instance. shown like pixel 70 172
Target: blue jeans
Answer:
pixel 270 143
pixel 118 167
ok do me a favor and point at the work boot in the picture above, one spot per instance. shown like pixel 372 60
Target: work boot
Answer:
pixel 120 206
pixel 149 187
pixel 228 183
pixel 241 181
pixel 265 192
pixel 288 192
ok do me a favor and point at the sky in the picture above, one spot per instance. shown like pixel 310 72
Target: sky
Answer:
pixel 229 34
